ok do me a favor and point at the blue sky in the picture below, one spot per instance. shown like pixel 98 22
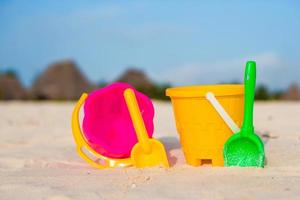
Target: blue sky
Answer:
pixel 181 42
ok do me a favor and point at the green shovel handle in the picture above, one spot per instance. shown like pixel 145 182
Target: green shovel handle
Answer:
pixel 250 79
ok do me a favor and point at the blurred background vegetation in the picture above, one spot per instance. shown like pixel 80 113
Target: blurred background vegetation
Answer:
pixel 63 80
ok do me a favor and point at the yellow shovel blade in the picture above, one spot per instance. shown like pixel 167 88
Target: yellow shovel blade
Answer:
pixel 157 155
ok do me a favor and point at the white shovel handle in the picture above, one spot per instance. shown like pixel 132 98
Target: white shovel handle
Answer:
pixel 221 111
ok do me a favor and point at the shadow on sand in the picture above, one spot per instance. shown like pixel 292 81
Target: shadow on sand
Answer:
pixel 171 143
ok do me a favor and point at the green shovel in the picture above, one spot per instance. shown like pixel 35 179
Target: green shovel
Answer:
pixel 245 148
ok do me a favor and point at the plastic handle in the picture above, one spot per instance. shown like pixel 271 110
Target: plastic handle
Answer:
pixel 222 112
pixel 250 79
pixel 137 120
pixel 78 137
pixel 77 134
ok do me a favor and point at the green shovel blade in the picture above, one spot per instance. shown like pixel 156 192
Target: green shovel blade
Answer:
pixel 246 149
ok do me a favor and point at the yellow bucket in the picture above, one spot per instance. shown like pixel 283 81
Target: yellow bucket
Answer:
pixel 202 131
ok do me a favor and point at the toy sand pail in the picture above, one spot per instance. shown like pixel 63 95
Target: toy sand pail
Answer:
pixel 202 131
pixel 107 124
pixel 106 135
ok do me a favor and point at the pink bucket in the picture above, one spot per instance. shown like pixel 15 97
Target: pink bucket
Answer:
pixel 107 125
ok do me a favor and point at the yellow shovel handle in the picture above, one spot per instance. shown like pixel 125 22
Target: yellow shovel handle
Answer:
pixel 137 120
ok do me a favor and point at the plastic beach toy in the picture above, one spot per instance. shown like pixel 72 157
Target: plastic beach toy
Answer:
pixel 83 148
pixel 245 148
pixel 107 124
pixel 107 135
pixel 147 152
pixel 202 131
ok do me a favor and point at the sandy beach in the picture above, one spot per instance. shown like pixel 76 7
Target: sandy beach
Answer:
pixel 38 160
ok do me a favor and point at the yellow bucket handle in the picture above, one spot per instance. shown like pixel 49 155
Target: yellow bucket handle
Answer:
pixel 81 143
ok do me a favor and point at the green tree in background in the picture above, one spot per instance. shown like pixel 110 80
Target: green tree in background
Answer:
pixel 156 92
pixel 262 93
pixel 10 73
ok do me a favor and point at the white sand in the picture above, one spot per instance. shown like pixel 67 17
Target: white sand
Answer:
pixel 38 160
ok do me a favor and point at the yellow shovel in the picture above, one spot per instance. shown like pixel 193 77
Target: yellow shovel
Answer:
pixel 147 152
